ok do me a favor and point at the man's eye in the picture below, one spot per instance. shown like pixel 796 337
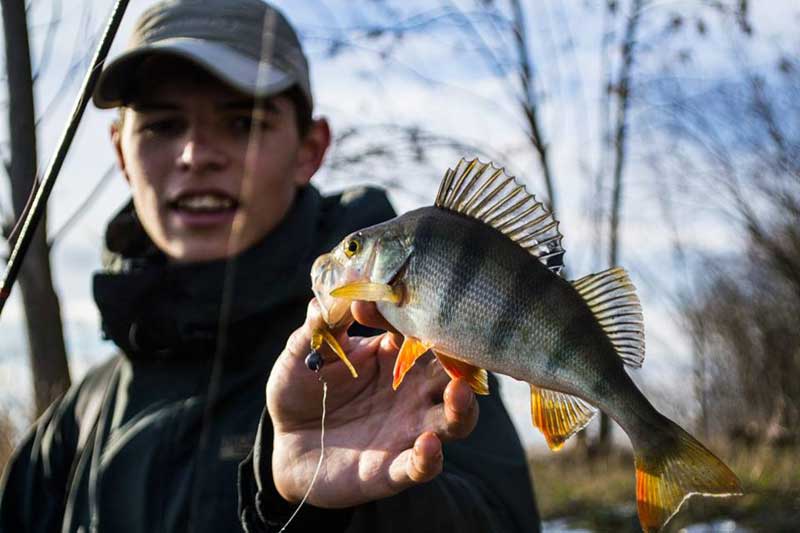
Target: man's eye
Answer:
pixel 244 124
pixel 164 127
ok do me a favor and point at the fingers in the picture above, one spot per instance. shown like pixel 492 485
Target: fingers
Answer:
pixel 459 410
pixel 420 464
pixel 300 339
pixel 367 314
pixel 426 459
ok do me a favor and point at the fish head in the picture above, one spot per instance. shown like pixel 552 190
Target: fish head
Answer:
pixel 326 275
pixel 374 255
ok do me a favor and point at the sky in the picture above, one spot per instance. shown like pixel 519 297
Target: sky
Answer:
pixel 435 80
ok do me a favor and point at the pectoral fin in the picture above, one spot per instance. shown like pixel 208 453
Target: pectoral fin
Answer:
pixel 319 336
pixel 410 351
pixel 368 292
pixel 558 415
pixel 477 378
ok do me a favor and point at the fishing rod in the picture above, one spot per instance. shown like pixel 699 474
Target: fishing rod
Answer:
pixel 37 208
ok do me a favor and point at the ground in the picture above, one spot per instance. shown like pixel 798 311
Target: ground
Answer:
pixel 600 495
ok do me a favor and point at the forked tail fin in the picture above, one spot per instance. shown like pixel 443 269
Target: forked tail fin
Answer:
pixel 667 475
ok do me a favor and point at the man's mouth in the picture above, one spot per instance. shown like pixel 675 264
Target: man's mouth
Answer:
pixel 202 203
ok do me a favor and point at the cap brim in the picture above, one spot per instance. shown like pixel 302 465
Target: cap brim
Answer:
pixel 233 68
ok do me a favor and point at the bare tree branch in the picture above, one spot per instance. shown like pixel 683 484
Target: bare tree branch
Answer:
pixel 81 57
pixel 49 40
pixel 529 103
pixel 83 208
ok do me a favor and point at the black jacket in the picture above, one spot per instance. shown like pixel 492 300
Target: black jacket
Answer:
pixel 151 440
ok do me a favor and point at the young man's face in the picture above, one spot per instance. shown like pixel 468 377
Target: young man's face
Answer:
pixel 205 184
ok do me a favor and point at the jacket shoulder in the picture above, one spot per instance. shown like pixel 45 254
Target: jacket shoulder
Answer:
pixel 358 207
pixel 73 416
pixel 90 391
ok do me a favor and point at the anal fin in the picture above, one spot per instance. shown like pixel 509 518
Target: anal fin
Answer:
pixel 558 415
pixel 477 378
pixel 410 351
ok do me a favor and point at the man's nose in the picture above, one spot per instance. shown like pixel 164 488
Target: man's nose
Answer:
pixel 200 153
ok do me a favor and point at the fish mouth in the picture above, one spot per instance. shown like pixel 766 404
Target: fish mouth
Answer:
pixel 326 275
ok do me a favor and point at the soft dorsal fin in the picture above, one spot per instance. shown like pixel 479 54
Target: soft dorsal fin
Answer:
pixel 613 300
pixel 486 193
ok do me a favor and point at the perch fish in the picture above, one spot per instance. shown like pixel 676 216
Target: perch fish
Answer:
pixel 475 279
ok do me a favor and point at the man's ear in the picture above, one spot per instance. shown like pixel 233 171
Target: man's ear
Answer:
pixel 312 151
pixel 116 140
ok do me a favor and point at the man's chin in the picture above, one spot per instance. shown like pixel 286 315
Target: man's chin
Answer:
pixel 199 250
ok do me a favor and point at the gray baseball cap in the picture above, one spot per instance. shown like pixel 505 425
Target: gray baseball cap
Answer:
pixel 248 44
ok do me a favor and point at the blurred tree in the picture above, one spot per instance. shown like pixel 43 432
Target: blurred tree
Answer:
pixel 737 144
pixel 45 333
pixel 620 86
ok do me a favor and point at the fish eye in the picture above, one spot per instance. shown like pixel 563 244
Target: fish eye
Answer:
pixel 352 247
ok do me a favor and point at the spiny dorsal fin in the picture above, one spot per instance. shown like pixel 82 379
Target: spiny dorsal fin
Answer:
pixel 613 300
pixel 486 193
pixel 558 416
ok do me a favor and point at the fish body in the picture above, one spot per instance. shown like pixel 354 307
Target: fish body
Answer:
pixel 479 298
pixel 482 299
pixel 475 279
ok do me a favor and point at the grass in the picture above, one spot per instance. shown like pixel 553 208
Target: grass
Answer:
pixel 600 495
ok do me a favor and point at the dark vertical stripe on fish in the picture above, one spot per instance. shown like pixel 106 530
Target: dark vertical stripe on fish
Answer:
pixel 571 338
pixel 508 321
pixel 467 266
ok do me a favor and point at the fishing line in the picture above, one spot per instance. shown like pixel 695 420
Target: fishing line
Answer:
pixel 321 456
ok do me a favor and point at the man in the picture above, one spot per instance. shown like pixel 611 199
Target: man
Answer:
pixel 206 276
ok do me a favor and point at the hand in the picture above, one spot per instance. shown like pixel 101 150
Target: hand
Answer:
pixel 378 442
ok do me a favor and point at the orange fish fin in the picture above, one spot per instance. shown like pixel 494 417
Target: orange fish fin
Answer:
pixel 368 292
pixel 558 415
pixel 410 351
pixel 477 378
pixel 612 298
pixel 669 474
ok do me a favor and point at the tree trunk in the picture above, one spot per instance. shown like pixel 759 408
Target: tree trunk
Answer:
pixel 530 107
pixel 48 355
